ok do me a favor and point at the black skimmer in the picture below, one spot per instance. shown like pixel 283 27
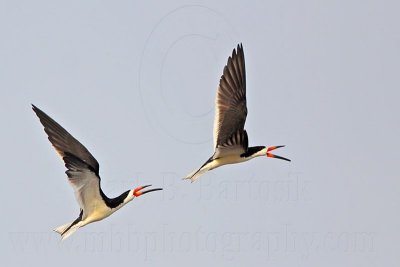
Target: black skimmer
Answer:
pixel 83 175
pixel 230 137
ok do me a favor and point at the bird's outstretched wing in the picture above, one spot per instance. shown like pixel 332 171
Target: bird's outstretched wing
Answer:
pixel 63 142
pixel 82 167
pixel 230 107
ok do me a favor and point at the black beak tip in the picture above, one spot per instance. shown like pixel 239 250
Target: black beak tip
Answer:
pixel 279 157
pixel 151 190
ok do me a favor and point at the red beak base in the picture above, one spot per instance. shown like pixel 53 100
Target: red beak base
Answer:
pixel 270 155
pixel 137 191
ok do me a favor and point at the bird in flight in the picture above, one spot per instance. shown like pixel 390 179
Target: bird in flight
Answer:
pixel 230 137
pixel 83 175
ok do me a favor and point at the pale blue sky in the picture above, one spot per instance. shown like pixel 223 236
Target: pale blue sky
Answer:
pixel 135 83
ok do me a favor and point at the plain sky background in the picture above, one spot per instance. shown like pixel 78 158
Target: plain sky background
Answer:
pixel 135 82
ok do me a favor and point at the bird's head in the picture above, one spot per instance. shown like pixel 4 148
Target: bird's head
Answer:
pixel 267 152
pixel 138 191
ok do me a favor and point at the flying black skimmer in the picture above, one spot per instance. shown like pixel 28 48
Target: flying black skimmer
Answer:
pixel 230 137
pixel 83 175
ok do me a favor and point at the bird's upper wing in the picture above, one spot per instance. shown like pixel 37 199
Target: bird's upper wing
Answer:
pixel 83 168
pixel 63 142
pixel 230 107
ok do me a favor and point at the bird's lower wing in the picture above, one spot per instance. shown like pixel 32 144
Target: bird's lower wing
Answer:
pixel 85 182
pixel 236 144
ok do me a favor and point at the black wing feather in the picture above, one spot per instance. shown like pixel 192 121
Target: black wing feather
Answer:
pixel 231 108
pixel 64 143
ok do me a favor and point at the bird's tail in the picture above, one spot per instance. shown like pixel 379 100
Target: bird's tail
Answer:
pixel 67 229
pixel 196 174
